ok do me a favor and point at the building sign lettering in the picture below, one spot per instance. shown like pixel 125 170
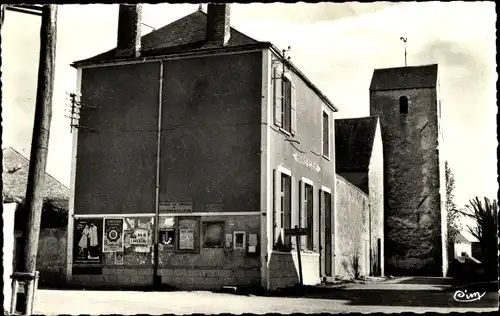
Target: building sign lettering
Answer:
pixel 216 207
pixel 176 207
pixel 139 237
pixel 306 162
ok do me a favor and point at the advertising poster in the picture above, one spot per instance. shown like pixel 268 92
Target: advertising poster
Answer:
pixel 87 238
pixel 139 238
pixel 167 238
pixel 113 235
pixel 119 258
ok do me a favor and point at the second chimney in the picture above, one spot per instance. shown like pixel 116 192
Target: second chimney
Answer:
pixel 218 19
pixel 129 30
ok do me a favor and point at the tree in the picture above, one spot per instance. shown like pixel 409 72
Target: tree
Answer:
pixel 486 218
pixel 453 213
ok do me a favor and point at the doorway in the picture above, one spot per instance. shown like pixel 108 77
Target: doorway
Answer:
pixel 328 234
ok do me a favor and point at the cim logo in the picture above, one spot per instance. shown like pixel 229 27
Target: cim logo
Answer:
pixel 463 296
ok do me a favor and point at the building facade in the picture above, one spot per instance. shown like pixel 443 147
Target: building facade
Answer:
pixel 409 107
pixel 360 197
pixel 191 160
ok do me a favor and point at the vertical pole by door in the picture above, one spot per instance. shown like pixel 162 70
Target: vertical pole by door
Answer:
pixel 297 241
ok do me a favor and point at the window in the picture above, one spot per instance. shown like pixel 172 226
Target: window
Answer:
pixel 239 240
pixel 306 214
pixel 284 101
pixel 403 105
pixel 282 214
pixel 286 108
pixel 326 134
pixel 213 234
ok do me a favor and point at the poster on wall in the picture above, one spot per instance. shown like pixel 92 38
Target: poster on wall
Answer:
pixel 139 238
pixel 87 237
pixel 119 257
pixel 113 235
pixel 186 239
pixel 167 238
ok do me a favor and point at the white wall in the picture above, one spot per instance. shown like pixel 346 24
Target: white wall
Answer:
pixel 462 247
pixel 8 251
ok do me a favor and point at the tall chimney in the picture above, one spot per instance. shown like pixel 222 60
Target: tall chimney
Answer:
pixel 129 30
pixel 218 19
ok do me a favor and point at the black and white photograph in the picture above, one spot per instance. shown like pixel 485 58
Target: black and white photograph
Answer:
pixel 249 158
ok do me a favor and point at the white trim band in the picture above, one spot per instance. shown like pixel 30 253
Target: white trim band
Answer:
pixel 325 189
pixel 284 170
pixel 248 213
pixel 307 181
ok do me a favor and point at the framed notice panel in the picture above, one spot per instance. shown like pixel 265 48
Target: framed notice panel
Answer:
pixel 188 232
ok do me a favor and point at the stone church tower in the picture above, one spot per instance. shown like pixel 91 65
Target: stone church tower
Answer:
pixel 407 102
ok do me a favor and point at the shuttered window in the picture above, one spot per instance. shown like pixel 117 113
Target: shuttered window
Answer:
pixel 282 213
pixel 285 105
pixel 326 134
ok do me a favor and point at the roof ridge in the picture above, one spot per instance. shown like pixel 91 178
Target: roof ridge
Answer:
pixel 27 160
pixel 401 67
pixel 370 117
pixel 15 151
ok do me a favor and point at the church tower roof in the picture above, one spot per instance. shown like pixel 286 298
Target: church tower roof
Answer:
pixel 414 77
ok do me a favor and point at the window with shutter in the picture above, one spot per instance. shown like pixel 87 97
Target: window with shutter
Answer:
pixel 309 208
pixel 326 134
pixel 285 108
pixel 287 104
pixel 282 212
pixel 293 109
pixel 278 96
pixel 286 206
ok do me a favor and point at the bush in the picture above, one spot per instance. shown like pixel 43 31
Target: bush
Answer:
pixel 486 218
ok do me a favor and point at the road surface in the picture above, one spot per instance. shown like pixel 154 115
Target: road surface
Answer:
pixel 389 297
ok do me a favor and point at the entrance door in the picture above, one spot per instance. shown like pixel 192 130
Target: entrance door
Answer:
pixel 328 235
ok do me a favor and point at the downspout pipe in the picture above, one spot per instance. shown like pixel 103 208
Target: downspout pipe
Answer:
pixel 156 278
pixel 370 237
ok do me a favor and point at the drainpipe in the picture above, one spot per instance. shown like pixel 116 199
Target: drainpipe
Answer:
pixel 370 236
pixel 156 278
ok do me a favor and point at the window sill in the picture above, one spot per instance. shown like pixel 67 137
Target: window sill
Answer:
pixel 284 131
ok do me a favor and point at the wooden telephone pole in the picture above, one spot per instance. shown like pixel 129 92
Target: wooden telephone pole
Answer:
pixel 39 149
pixel 41 132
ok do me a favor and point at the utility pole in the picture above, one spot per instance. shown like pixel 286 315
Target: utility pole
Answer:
pixel 404 39
pixel 39 143
pixel 41 132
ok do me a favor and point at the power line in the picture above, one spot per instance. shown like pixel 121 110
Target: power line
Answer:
pixel 21 10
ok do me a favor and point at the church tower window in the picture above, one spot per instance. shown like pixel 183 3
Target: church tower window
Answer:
pixel 403 105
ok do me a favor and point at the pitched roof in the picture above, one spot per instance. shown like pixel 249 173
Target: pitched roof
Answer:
pixel 188 36
pixel 459 238
pixel 15 180
pixel 405 78
pixel 354 143
pixel 185 34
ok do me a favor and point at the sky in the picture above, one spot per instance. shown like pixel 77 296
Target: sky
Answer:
pixel 337 46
